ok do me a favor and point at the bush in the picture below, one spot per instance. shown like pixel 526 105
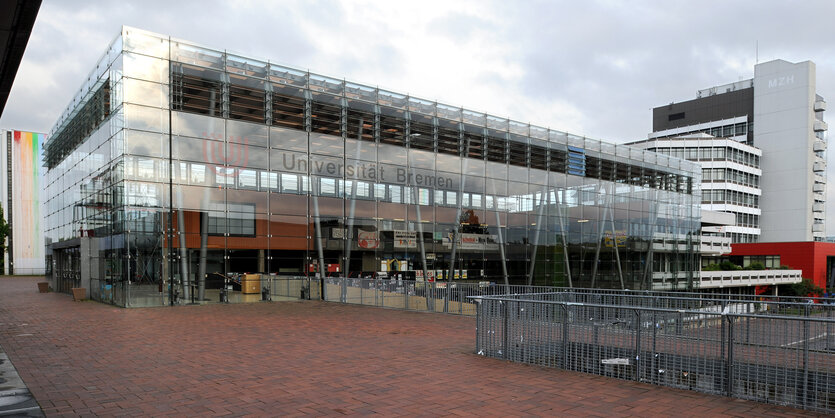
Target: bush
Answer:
pixel 728 266
pixel 784 267
pixel 711 267
pixel 755 266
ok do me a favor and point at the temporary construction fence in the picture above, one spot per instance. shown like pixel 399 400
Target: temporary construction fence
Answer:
pixel 775 352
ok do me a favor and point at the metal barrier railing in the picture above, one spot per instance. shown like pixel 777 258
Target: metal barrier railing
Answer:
pixel 763 348
pixel 299 287
pixel 693 301
pixel 453 297
pixel 786 358
pixel 695 294
pixel 441 297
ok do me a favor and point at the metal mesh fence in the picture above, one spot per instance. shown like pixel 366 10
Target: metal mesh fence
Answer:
pixel 787 359
pixel 455 298
pixel 768 349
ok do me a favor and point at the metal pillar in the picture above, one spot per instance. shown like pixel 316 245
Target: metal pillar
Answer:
pixel 185 281
pixel 352 209
pixel 536 236
pixel 564 241
pixel 457 225
pixel 318 227
pixel 201 267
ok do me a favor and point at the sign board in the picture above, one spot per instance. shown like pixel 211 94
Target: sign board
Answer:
pixel 394 265
pixel 405 239
pixel 615 361
pixel 339 233
pixel 618 238
pixel 368 239
pixel 481 242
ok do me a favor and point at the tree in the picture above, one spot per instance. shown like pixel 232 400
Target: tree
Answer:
pixel 805 288
pixel 4 232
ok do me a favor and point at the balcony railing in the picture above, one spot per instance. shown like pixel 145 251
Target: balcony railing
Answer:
pixel 736 278
pixel 712 245
pixel 819 145
pixel 819 166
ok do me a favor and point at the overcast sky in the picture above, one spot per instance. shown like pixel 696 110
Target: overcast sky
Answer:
pixel 593 68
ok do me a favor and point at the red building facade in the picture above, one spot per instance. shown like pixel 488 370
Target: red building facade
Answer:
pixel 813 258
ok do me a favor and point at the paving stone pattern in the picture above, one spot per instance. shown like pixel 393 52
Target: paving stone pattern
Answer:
pixel 297 359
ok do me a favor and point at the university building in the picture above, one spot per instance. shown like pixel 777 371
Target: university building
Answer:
pixel 176 163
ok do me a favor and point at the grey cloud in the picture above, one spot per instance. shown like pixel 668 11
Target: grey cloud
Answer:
pixel 612 61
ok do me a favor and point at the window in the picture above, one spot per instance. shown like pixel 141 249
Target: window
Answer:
pixel 728 130
pixel 197 174
pixel 247 179
pixel 328 187
pixel 289 183
pixel 396 194
pixel 234 219
pixel 269 181
pixel 363 189
pixel 423 196
pixel 675 116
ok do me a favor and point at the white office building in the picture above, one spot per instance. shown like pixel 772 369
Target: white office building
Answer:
pixel 779 116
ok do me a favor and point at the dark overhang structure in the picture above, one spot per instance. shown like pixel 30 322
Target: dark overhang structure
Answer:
pixel 17 17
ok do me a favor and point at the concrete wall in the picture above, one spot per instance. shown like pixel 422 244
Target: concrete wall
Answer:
pixel 784 95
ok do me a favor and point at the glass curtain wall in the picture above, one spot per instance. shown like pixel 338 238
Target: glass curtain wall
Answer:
pixel 217 164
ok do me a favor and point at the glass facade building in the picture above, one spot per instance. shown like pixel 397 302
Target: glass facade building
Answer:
pixel 177 161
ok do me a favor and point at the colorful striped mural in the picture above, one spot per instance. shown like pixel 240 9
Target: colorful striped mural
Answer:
pixel 26 205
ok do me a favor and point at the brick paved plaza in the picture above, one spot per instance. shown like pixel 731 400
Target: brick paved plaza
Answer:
pixel 297 358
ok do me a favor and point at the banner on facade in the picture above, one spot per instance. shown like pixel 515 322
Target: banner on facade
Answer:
pixel 618 238
pixel 481 242
pixel 405 239
pixel 368 239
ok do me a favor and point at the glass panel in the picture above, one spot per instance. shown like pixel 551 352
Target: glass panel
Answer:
pixel 326 144
pixel 289 139
pixel 198 126
pixel 281 160
pixel 326 84
pixel 246 66
pixel 358 91
pixel 195 55
pixel 145 68
pixel 247 133
pixel 146 118
pixel 146 143
pixel 449 112
pixel 421 106
pixel 288 76
pixel 145 42
pixel 145 93
pixel 391 99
